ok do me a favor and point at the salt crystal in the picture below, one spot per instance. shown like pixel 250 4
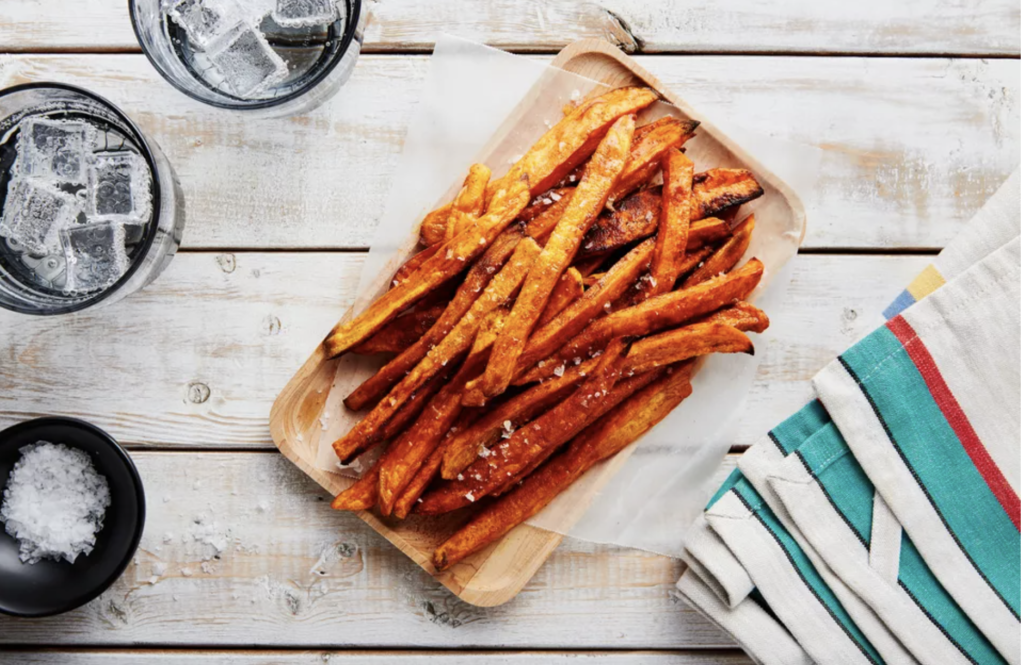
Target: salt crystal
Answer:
pixel 469 495
pixel 560 370
pixel 555 196
pixel 459 477
pixel 484 452
pixel 483 241
pixel 546 201
pixel 54 503
pixel 572 178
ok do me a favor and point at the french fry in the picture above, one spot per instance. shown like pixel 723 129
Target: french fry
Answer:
pixel 410 267
pixel 451 349
pixel 541 226
pixel 673 225
pixel 635 218
pixel 718 189
pixel 692 341
pixel 601 440
pixel 479 276
pixel 429 470
pixel 727 256
pixel 586 203
pixel 568 289
pixel 574 318
pixel 531 444
pixel 645 155
pixel 401 333
pixel 465 446
pixel 667 310
pixel 719 332
pixel 742 316
pixel 362 494
pixel 449 261
pixel 405 455
pixel 469 202
pixel 540 204
pixel 569 143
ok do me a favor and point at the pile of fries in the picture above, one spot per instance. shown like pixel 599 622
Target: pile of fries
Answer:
pixel 553 317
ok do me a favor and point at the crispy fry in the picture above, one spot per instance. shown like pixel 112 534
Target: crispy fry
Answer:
pixel 692 341
pixel 469 202
pixel 449 261
pixel 666 310
pixel 362 494
pixel 376 386
pixel 560 150
pixel 674 223
pixel 645 156
pixel 574 318
pixel 412 265
pixel 401 333
pixel 541 226
pixel 465 446
pixel 450 350
pixel 727 256
pixel 636 218
pixel 568 289
pixel 537 440
pixel 429 470
pixel 706 231
pixel 606 437
pixel 585 205
pixel 718 189
pixel 741 316
pixel 543 202
pixel 407 454
pixel 412 408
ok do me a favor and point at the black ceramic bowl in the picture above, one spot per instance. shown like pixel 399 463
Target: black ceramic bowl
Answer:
pixel 52 587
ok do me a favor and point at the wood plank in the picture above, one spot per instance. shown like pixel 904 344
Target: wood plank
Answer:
pixel 990 27
pixel 197 358
pixel 311 657
pixel 242 549
pixel 910 147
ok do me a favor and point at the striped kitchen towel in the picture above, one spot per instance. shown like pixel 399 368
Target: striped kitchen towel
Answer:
pixel 833 504
pixel 929 404
pixel 939 386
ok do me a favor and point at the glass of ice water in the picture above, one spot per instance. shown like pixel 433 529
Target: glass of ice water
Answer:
pixel 264 57
pixel 90 209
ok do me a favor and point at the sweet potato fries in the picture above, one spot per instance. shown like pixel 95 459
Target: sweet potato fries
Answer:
pixel 554 315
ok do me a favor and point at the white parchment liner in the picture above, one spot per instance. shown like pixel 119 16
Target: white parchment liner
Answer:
pixel 473 94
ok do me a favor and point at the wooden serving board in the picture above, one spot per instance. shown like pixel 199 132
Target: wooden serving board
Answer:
pixel 496 574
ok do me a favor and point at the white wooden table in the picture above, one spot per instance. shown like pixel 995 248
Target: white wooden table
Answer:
pixel 916 105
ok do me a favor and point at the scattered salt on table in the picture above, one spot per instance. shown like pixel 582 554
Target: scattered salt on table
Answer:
pixel 54 503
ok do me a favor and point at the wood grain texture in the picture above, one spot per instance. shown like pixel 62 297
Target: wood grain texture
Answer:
pixel 311 657
pixel 242 549
pixel 197 358
pixel 987 27
pixel 910 148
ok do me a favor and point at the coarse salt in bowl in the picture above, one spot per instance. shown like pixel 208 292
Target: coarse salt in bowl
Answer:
pixel 78 550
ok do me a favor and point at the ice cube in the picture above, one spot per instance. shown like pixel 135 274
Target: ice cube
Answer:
pixel 53 150
pixel 302 13
pixel 247 62
pixel 95 255
pixel 205 20
pixel 34 212
pixel 119 186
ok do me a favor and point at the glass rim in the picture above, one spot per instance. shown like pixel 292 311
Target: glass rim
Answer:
pixel 351 28
pixel 147 153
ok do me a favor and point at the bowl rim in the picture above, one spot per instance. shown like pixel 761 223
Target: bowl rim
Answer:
pixel 148 153
pixel 140 499
pixel 350 34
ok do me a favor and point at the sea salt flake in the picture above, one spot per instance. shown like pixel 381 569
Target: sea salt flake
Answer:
pixel 560 370
pixel 54 503
pixel 555 196
pixel 469 495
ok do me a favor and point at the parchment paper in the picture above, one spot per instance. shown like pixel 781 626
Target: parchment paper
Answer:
pixel 473 93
